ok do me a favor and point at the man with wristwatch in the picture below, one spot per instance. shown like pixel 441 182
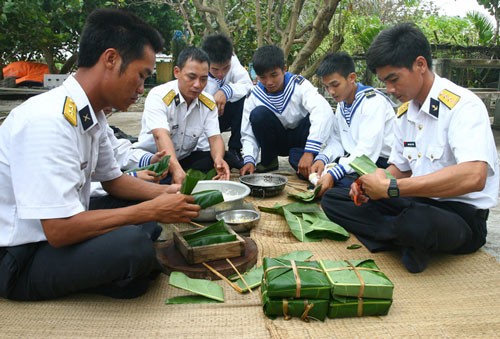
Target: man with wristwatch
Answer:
pixel 444 162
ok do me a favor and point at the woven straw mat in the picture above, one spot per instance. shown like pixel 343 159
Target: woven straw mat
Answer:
pixel 457 296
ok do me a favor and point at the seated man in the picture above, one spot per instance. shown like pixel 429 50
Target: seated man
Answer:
pixel 363 122
pixel 51 148
pixel 229 83
pixel 128 158
pixel 283 116
pixel 444 162
pixel 178 113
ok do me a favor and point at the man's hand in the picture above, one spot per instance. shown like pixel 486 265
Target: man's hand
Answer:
pixel 317 167
pixel 177 173
pixel 173 188
pixel 248 168
pixel 158 156
pixel 305 164
pixel 148 175
pixel 370 186
pixel 222 168
pixel 220 100
pixel 326 182
pixel 174 208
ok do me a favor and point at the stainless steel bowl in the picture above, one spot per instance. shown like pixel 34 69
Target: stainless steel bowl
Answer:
pixel 264 185
pixel 233 192
pixel 240 220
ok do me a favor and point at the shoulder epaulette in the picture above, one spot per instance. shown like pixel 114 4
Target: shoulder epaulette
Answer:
pixel 299 79
pixel 448 98
pixel 370 94
pixel 402 109
pixel 70 111
pixel 167 99
pixel 206 101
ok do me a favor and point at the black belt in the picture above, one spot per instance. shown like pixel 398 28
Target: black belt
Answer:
pixel 483 214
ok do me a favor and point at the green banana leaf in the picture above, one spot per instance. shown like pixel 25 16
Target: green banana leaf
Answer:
pixel 191 179
pixel 190 299
pixel 212 239
pixel 158 167
pixel 218 227
pixel 341 307
pixel 280 280
pixel 208 198
pixel 253 277
pixel 306 196
pixel 299 227
pixel 273 307
pixel 364 165
pixel 206 288
pixel 346 282
pixel 294 207
pixel 210 174
pixel 321 228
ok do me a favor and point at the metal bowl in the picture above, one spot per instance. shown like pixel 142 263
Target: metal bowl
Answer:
pixel 264 185
pixel 240 220
pixel 233 193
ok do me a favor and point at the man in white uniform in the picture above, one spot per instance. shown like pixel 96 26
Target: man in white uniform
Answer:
pixel 52 147
pixel 444 161
pixel 229 83
pixel 177 114
pixel 283 116
pixel 363 123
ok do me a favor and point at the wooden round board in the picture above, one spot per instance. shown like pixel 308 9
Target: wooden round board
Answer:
pixel 172 260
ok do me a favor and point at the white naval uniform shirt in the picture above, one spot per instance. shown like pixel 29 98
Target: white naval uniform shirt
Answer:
pixel 369 133
pixel 434 136
pixel 128 158
pixel 235 85
pixel 185 124
pixel 300 98
pixel 47 164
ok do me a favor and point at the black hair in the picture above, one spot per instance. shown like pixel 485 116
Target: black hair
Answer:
pixel 398 46
pixel 218 47
pixel 340 62
pixel 267 58
pixel 119 29
pixel 193 53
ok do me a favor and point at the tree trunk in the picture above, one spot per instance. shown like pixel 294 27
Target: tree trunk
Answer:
pixel 319 31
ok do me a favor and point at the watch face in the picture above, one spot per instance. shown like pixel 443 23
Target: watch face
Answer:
pixel 393 192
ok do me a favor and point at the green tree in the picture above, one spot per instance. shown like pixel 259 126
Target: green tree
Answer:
pixel 493 7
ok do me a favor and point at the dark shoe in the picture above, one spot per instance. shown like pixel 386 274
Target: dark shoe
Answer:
pixel 273 166
pixel 415 260
pixel 233 158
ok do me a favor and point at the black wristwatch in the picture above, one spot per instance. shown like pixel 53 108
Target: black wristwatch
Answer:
pixel 393 190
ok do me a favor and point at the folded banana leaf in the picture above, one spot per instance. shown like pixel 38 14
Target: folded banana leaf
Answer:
pixel 208 198
pixel 212 239
pixel 321 228
pixel 305 309
pixel 364 165
pixel 190 299
pixel 210 174
pixel 295 279
pixel 191 179
pixel 205 288
pixel 357 278
pixel 295 207
pixel 216 233
pixel 299 227
pixel 341 307
pixel 253 277
pixel 158 167
pixel 306 196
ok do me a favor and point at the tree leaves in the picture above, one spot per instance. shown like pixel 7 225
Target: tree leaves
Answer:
pixel 201 287
pixel 158 167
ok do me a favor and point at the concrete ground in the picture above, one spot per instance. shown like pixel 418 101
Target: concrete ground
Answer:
pixel 130 122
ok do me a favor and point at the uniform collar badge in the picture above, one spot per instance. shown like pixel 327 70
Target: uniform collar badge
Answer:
pixel 69 111
pixel 434 108
pixel 177 100
pixel 86 117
